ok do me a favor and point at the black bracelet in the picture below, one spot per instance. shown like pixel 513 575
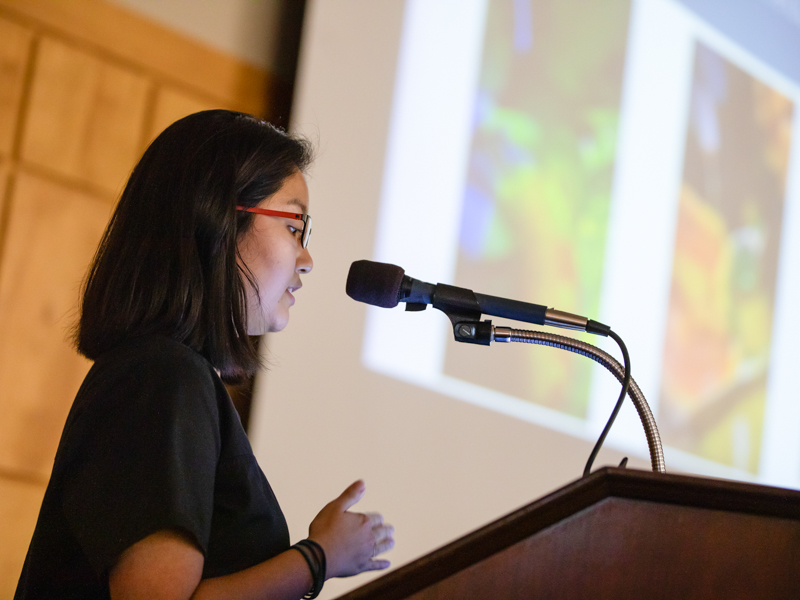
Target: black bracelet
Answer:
pixel 313 567
pixel 320 554
pixel 314 555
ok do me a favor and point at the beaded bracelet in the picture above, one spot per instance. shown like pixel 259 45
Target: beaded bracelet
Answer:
pixel 314 555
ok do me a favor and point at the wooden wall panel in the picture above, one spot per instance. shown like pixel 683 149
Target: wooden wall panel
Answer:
pixel 3 188
pixel 85 116
pixel 171 105
pixel 83 86
pixel 15 43
pixel 51 236
pixel 19 509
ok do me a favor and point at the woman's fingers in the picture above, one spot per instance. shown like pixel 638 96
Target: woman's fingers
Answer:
pixel 377 565
pixel 381 546
pixel 351 495
pixel 375 519
pixel 384 540
pixel 383 533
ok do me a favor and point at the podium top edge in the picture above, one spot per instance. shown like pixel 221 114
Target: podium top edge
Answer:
pixel 607 482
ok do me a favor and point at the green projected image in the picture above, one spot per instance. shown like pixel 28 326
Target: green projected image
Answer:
pixel 536 200
pixel 719 325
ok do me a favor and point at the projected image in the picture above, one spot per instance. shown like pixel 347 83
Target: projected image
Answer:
pixel 622 160
pixel 538 189
pixel 716 352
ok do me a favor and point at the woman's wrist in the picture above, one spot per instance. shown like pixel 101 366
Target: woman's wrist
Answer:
pixel 314 556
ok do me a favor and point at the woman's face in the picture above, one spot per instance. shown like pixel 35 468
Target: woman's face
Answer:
pixel 271 249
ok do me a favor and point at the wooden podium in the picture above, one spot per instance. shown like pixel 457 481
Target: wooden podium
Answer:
pixel 619 534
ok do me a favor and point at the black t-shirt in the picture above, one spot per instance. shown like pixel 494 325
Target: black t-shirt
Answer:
pixel 152 442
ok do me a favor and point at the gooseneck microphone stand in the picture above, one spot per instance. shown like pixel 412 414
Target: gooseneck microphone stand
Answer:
pixel 506 334
pixel 386 285
pixel 464 309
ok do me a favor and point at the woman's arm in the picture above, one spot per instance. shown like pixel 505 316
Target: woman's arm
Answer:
pixel 168 565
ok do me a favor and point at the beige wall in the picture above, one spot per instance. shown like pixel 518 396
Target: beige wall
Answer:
pixel 84 86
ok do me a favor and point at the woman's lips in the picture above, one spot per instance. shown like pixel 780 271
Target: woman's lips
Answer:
pixel 289 291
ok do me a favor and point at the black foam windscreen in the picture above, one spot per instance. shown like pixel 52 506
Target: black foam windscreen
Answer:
pixel 374 283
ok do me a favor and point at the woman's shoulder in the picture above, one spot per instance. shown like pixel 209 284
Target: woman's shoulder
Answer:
pixel 151 368
pixel 154 357
pixel 154 350
pixel 153 389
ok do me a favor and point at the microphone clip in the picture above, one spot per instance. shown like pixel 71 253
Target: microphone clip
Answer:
pixel 415 306
pixel 473 332
pixel 462 308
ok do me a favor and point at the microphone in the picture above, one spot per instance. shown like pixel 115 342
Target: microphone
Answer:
pixel 385 285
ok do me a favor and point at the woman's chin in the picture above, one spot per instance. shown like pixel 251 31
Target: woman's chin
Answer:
pixel 277 325
pixel 268 322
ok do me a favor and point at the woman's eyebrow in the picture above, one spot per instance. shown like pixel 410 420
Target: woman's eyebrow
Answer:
pixel 299 203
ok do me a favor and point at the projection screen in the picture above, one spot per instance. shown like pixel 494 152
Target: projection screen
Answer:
pixel 633 161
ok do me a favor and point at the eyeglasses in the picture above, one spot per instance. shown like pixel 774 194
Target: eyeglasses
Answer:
pixel 306 219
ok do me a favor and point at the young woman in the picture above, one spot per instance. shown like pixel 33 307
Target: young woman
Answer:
pixel 155 492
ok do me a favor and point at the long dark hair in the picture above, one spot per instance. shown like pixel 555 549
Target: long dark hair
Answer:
pixel 167 263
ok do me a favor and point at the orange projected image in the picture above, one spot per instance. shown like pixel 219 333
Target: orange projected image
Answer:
pixel 719 325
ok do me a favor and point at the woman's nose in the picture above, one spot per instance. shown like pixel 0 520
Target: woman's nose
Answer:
pixel 304 262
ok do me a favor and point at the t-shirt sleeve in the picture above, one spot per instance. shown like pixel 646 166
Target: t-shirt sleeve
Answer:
pixel 149 446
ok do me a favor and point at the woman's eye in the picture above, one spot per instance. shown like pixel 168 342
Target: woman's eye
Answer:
pixel 293 229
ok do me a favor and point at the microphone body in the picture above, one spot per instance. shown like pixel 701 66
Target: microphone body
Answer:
pixel 386 285
pixel 444 296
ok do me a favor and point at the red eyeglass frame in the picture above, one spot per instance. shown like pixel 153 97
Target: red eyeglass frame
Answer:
pixel 306 219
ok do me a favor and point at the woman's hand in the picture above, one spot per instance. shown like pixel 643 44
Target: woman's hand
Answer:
pixel 351 540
